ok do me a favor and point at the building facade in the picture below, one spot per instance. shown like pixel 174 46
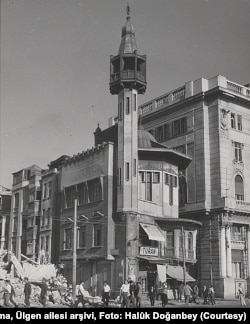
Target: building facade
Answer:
pixel 5 203
pixel 123 195
pixel 25 212
pixel 209 120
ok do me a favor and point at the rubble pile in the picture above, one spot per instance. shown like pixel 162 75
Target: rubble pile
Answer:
pixel 59 292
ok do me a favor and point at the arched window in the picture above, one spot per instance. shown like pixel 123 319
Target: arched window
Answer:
pixel 190 241
pixel 182 191
pixel 239 188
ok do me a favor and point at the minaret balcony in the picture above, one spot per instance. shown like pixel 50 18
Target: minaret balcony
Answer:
pixel 127 75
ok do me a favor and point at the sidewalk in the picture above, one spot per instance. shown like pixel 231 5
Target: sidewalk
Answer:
pixel 176 304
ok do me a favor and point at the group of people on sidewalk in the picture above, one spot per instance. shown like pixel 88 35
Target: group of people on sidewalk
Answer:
pixel 131 294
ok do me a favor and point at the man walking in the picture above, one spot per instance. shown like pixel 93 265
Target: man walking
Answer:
pixel 187 290
pixel 27 292
pixel 241 294
pixel 106 293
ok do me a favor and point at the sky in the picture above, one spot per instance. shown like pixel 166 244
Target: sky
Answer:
pixel 54 65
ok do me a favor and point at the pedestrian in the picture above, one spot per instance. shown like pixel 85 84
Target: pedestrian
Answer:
pixel 132 293
pixel 187 290
pixel 124 294
pixel 180 291
pixel 106 293
pixel 164 295
pixel 204 294
pixel 196 294
pixel 138 294
pixel 175 289
pixel 152 295
pixel 211 294
pixel 27 291
pixel 9 293
pixel 242 295
pixel 83 294
pixel 44 289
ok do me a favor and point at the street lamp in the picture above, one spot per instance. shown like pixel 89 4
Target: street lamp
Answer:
pixel 184 256
pixel 74 221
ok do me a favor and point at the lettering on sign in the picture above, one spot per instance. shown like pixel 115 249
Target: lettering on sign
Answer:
pixel 147 250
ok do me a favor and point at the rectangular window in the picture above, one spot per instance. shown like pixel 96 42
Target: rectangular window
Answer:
pixel 175 181
pixel 82 191
pixel 127 170
pixel 238 151
pixel 16 200
pixel 166 131
pixel 44 190
pixel 49 220
pixel 134 102
pixel 167 178
pixel 97 235
pixel 159 133
pixel 70 196
pixel 81 235
pixel 68 239
pixel 135 167
pixel 233 121
pixel 156 177
pixel 95 190
pixel 49 189
pixel 149 186
pixel 179 126
pixel 239 122
pixel 170 239
pixel 43 218
pixel 127 106
pixel 171 196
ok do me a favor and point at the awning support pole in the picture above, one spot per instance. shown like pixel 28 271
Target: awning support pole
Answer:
pixel 184 256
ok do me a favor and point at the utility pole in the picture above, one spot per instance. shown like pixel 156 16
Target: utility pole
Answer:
pixel 183 252
pixel 74 252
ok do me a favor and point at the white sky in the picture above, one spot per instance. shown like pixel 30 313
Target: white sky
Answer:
pixel 54 76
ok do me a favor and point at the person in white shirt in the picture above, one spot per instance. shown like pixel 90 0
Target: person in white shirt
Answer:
pixel 106 293
pixel 125 293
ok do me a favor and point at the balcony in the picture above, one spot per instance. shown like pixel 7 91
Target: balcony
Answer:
pixel 232 203
pixel 127 75
pixel 170 253
pixel 237 241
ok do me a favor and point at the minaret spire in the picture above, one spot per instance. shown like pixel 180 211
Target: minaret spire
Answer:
pixel 128 11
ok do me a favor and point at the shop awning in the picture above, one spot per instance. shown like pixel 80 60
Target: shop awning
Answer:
pixel 152 259
pixel 176 272
pixel 153 232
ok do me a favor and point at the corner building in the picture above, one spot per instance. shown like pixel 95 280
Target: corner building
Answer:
pixel 209 120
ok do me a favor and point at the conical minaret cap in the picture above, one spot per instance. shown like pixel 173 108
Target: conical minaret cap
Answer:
pixel 128 43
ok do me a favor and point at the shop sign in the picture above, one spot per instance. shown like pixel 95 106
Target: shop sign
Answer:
pixel 147 250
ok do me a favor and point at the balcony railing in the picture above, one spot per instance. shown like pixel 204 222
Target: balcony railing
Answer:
pixel 127 75
pixel 170 252
pixel 238 89
pixel 163 100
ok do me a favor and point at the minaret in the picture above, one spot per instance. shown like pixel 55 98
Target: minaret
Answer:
pixel 127 80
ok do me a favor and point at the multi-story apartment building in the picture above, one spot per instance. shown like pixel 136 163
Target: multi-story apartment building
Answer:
pixel 25 212
pixel 49 227
pixel 209 120
pixel 5 203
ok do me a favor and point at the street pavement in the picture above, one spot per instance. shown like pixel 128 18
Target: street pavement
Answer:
pixel 219 303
